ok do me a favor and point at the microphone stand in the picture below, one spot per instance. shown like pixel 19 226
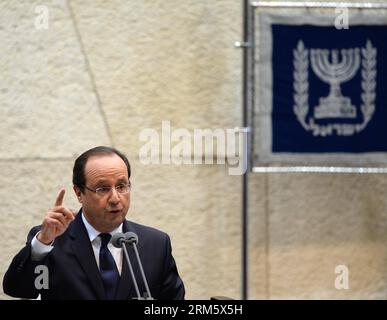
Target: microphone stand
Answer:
pixel 120 240
pixel 131 271
pixel 147 295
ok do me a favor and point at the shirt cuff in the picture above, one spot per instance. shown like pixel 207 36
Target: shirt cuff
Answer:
pixel 39 250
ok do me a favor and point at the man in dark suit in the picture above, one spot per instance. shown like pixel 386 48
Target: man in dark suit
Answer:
pixel 76 251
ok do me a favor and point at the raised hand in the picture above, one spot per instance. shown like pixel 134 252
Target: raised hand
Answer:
pixel 56 220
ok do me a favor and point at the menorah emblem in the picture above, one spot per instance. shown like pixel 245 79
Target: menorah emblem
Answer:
pixel 335 105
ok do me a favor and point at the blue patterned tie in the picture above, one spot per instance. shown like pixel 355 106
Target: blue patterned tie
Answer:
pixel 108 268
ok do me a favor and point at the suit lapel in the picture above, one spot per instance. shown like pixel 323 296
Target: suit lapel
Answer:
pixel 84 252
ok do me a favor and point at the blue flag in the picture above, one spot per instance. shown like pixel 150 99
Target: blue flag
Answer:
pixel 328 90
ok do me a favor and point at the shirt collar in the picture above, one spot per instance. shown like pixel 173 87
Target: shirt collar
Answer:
pixel 93 233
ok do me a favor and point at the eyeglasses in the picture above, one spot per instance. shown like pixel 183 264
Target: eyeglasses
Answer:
pixel 104 191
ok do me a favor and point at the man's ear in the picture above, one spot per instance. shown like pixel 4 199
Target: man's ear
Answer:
pixel 78 193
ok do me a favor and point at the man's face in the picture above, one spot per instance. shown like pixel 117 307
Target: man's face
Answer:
pixel 104 213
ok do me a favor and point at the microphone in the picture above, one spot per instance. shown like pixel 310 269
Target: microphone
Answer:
pixel 132 239
pixel 118 240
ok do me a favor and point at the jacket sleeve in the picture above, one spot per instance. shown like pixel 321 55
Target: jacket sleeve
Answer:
pixel 172 286
pixel 19 280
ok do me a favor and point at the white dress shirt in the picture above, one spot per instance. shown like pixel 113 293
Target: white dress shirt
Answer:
pixel 39 250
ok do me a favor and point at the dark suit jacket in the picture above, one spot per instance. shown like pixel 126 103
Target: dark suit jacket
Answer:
pixel 73 271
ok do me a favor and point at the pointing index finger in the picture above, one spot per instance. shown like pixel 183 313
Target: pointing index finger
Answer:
pixel 59 198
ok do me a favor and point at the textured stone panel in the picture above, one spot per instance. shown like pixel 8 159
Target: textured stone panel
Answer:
pixel 157 61
pixel 257 237
pixel 317 222
pixel 48 106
